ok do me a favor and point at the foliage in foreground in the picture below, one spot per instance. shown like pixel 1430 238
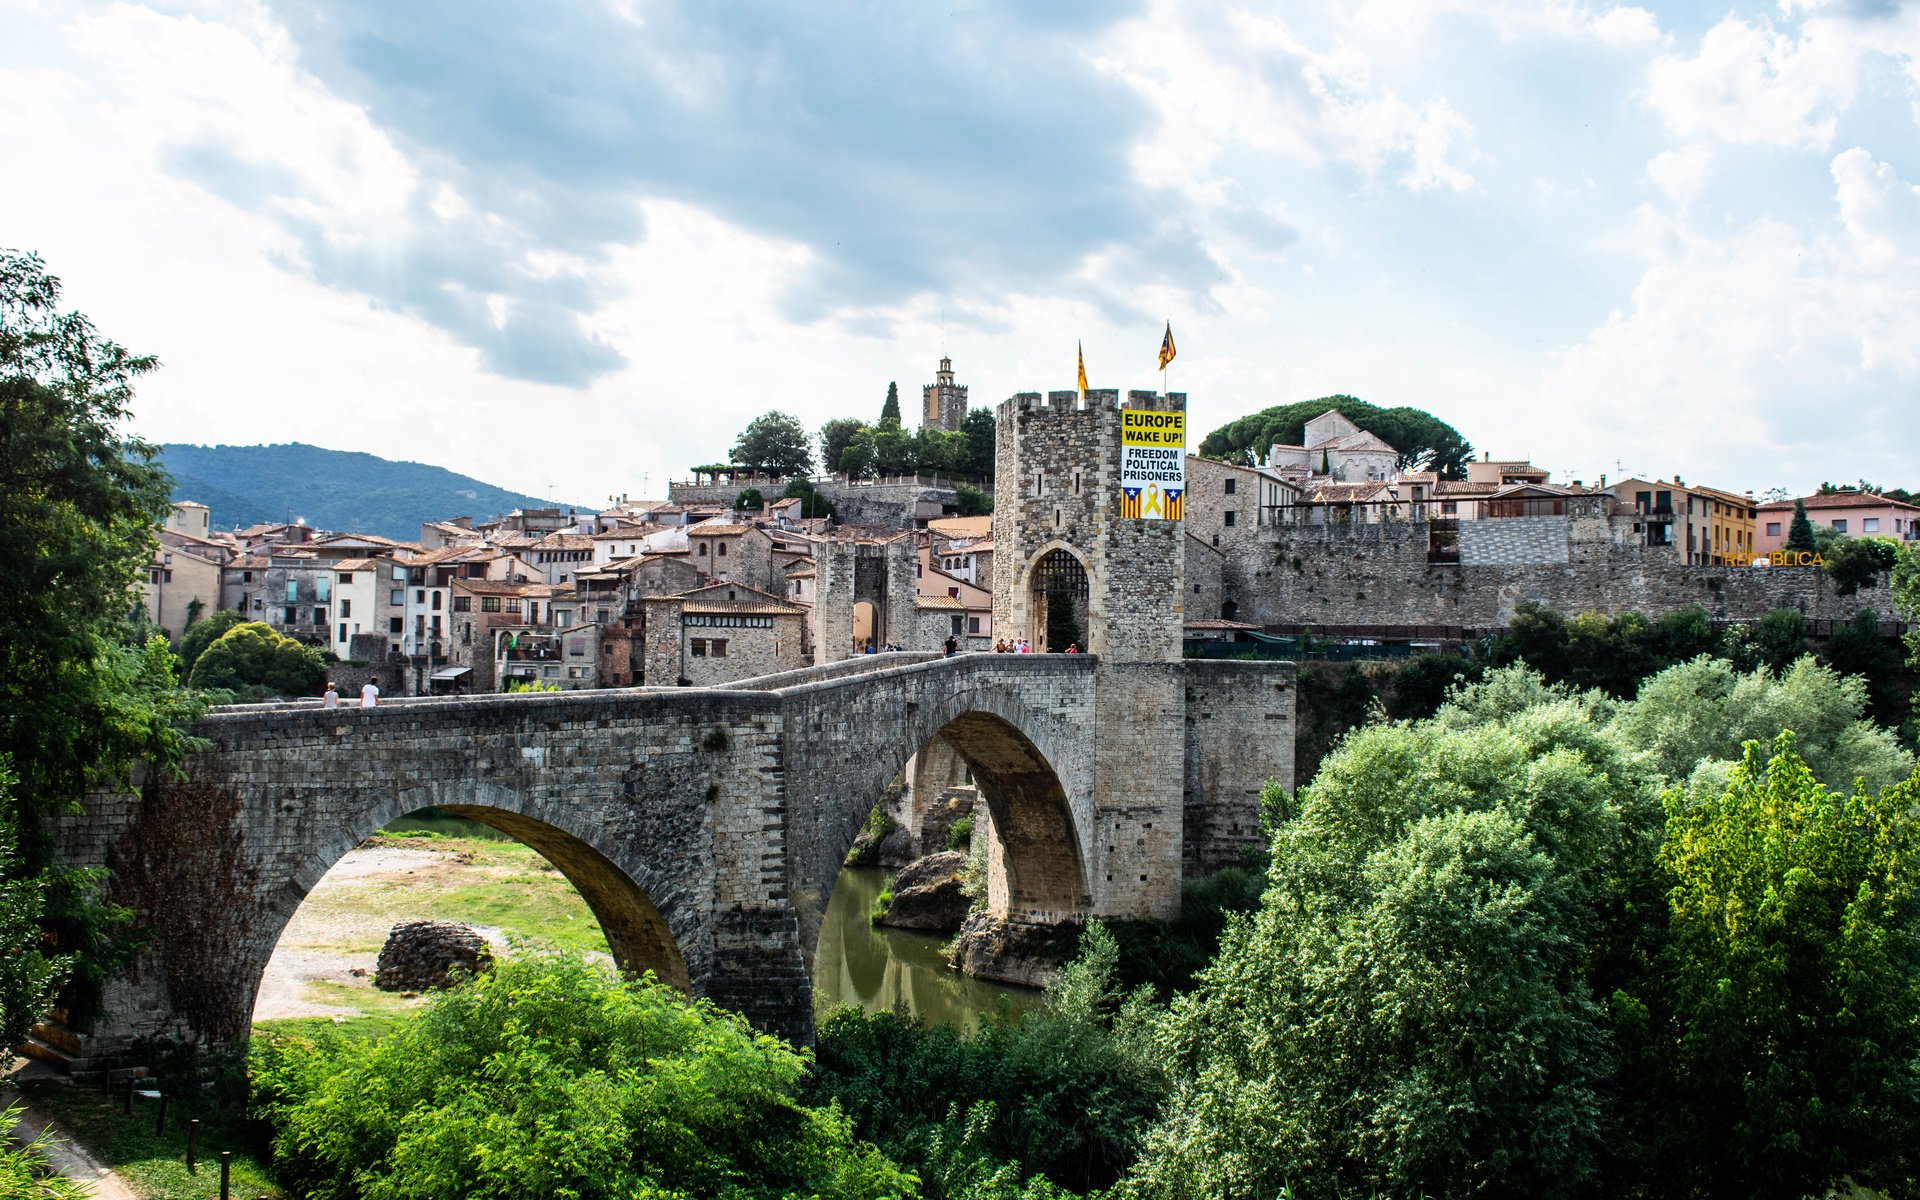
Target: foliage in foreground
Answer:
pixel 21 1173
pixel 1490 962
pixel 1054 1097
pixel 548 1077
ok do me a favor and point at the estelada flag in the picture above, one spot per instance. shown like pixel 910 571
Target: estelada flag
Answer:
pixel 1166 347
pixel 1083 367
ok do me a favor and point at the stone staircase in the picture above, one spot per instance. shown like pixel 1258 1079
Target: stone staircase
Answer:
pixel 71 1052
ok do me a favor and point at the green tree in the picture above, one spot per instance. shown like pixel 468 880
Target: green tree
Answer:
pixel 1855 563
pixel 890 410
pixel 1411 1010
pixel 812 503
pixel 774 442
pixel 253 657
pixel 893 451
pixel 834 436
pixel 28 974
pixel 972 501
pixel 979 428
pixel 1858 648
pixel 860 458
pixel 1795 971
pixel 84 692
pixel 1800 532
pixel 201 634
pixel 749 501
pixel 1695 717
pixel 549 1078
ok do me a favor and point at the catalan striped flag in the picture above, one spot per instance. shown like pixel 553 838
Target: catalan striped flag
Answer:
pixel 1166 347
pixel 1083 368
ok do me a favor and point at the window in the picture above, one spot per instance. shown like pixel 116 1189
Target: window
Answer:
pixel 702 549
pixel 489 604
pixel 346 607
pixel 1870 525
pixel 1449 507
pixel 1773 529
pixel 956 627
pixel 293 589
pixel 289 616
pixel 973 624
pixel 576 672
pixel 699 648
pixel 550 672
pixel 513 604
pixel 343 633
pixel 346 577
pixel 577 647
pixel 436 624
pixel 463 604
pixel 419 595
pixel 320 617
pixel 563 617
pixel 321 590
pixel 1840 525
pixel 1232 516
pixel 436 602
pixel 1230 485
pixel 953 593
pixel 720 548
pixel 397 596
pixel 256 604
pixel 246 577
pixel 719 646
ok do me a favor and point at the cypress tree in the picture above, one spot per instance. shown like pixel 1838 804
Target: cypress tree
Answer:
pixel 1800 533
pixel 890 411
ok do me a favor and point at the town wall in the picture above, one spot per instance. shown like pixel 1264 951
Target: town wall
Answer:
pixel 904 505
pixel 1378 574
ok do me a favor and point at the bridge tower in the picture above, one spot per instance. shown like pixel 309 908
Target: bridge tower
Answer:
pixel 1059 538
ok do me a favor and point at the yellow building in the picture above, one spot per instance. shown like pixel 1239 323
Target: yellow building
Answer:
pixel 1730 526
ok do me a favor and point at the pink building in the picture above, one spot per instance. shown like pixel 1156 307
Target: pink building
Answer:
pixel 1856 514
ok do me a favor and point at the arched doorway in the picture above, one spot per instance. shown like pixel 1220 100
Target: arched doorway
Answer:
pixel 1058 594
pixel 1230 610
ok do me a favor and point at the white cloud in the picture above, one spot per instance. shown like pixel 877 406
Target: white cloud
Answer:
pixel 1239 80
pixel 1753 84
pixel 1773 344
pixel 1682 173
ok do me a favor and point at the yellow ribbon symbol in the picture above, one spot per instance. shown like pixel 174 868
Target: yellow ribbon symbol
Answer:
pixel 1152 507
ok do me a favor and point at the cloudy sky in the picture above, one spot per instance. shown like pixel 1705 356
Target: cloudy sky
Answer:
pixel 572 247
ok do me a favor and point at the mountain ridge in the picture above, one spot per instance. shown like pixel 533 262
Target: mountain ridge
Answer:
pixel 348 491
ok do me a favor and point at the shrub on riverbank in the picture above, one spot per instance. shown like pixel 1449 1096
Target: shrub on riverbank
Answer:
pixel 550 1077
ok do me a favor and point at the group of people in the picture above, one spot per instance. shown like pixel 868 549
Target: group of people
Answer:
pixel 369 695
pixel 1023 646
pixel 870 648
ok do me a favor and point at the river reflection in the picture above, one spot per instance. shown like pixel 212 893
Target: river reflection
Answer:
pixel 877 968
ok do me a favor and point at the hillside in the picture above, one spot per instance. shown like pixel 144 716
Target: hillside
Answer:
pixel 329 489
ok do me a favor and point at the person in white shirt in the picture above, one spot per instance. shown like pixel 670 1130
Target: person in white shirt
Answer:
pixel 370 694
pixel 332 698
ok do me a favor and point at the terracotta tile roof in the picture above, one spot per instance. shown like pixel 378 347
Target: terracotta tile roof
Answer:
pixel 252 562
pixel 565 541
pixel 713 529
pixel 494 587
pixel 765 608
pixel 1455 487
pixel 937 602
pixel 1839 500
pixel 357 564
pixel 962 527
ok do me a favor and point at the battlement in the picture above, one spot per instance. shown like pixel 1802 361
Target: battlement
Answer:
pixel 1096 400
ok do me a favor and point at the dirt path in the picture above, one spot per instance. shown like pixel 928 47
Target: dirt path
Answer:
pixel 66 1156
pixel 306 953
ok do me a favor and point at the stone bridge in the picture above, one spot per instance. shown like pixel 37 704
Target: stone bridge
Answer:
pixel 704 827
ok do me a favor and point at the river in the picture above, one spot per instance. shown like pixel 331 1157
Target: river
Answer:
pixel 878 968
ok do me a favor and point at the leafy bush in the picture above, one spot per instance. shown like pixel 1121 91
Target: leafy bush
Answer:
pixel 960 834
pixel 548 1077
pixel 1064 1092
pixel 201 634
pixel 254 657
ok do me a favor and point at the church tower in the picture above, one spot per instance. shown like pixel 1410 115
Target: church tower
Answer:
pixel 943 403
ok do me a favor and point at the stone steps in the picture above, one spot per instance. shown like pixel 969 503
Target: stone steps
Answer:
pixel 71 1052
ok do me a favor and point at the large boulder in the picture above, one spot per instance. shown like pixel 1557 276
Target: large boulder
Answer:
pixel 990 947
pixel 927 895
pixel 420 954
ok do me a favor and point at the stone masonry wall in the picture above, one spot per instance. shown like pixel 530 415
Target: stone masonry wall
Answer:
pixel 1366 574
pixel 1240 727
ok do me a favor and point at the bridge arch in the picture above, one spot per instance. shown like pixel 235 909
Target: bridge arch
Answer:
pixel 1032 772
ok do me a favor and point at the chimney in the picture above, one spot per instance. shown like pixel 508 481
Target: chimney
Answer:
pixel 1603 483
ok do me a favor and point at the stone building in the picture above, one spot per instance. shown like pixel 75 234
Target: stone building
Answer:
pixel 1336 449
pixel 720 633
pixel 182 583
pixel 943 403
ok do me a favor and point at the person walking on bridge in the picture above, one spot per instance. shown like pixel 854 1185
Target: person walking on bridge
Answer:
pixel 370 695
